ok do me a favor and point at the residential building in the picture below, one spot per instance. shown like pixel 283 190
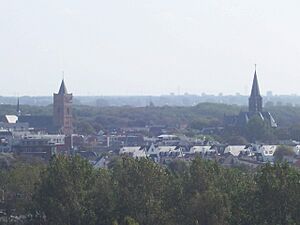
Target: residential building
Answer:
pixel 40 145
pixel 134 152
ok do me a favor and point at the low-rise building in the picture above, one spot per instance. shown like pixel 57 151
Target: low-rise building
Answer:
pixel 134 152
pixel 169 151
pixel 43 146
pixel 15 127
pixel 202 149
pixel 265 153
pixel 234 150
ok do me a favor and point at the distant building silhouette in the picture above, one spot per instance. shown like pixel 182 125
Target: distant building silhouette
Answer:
pixel 255 100
pixel 40 123
pixel 19 113
pixel 62 110
pixel 255 108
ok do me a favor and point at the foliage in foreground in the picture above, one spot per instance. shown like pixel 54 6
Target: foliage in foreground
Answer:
pixel 70 192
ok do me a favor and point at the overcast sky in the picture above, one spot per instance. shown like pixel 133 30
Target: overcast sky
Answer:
pixel 149 47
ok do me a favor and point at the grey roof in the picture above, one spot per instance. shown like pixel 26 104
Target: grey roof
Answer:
pixel 243 118
pixel 62 89
pixel 255 87
pixel 270 119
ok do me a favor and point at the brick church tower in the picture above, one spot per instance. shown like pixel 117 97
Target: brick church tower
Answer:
pixel 62 110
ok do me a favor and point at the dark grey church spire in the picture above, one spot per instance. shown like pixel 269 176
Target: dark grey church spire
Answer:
pixel 255 100
pixel 18 107
pixel 255 110
pixel 255 88
pixel 63 89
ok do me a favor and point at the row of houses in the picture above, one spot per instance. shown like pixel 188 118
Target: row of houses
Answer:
pixel 255 152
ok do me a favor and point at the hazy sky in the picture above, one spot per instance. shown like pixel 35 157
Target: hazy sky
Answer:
pixel 143 47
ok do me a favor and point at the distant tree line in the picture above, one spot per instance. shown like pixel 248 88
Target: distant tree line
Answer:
pixel 69 191
pixel 89 119
pixel 196 118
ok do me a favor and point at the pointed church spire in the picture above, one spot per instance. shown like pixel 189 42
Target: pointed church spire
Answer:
pixel 18 107
pixel 255 87
pixel 255 100
pixel 63 89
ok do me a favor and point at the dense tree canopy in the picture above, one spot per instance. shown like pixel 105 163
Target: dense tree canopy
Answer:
pixel 69 191
pixel 283 151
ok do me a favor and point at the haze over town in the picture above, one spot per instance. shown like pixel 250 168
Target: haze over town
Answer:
pixel 142 112
pixel 123 47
